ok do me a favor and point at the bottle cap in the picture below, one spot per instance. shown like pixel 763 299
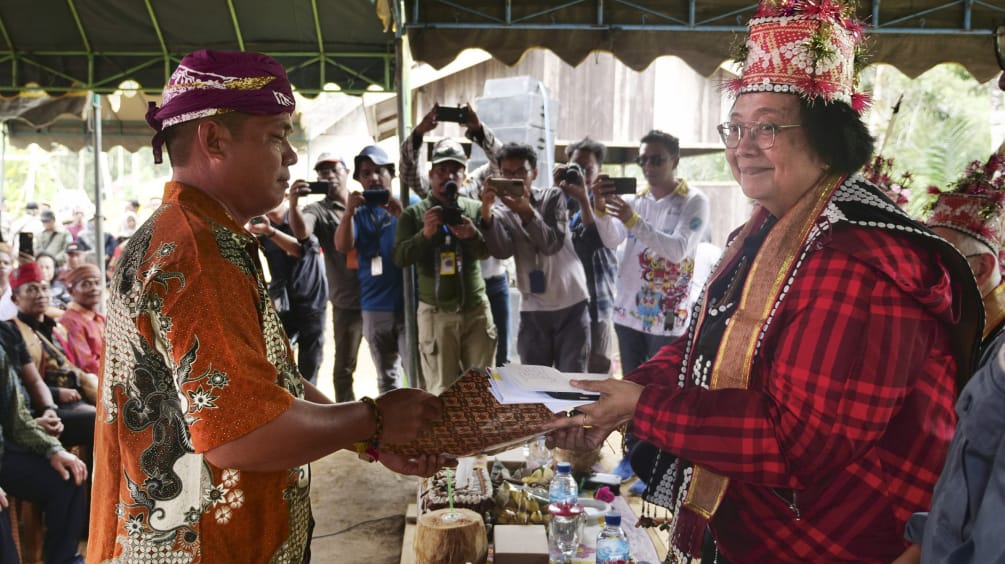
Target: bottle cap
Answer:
pixel 612 519
pixel 564 467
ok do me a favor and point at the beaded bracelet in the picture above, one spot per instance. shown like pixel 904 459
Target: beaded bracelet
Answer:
pixel 633 220
pixel 368 450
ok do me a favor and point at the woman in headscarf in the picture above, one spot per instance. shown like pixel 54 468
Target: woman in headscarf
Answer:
pixel 808 411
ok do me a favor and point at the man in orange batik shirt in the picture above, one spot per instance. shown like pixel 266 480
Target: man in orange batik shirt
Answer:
pixel 205 428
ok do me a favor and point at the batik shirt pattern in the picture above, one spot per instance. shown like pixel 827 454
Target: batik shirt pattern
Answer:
pixel 195 358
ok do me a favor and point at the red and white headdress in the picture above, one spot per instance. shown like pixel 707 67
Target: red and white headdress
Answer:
pixel 879 171
pixel 803 47
pixel 975 203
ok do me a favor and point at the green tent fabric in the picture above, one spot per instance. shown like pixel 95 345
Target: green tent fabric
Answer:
pixel 66 45
pixel 94 45
pixel 912 35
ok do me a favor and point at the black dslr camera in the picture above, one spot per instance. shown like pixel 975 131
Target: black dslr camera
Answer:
pixel 574 174
pixel 452 214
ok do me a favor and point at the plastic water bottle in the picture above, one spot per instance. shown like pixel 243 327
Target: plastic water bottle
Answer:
pixel 612 543
pixel 565 529
pixel 563 488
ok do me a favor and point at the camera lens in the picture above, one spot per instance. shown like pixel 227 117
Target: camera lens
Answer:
pixel 574 174
pixel 450 190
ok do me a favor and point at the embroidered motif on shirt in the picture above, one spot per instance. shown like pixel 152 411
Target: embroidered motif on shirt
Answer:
pixel 660 303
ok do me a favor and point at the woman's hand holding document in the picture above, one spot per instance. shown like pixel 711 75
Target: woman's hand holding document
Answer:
pixel 526 383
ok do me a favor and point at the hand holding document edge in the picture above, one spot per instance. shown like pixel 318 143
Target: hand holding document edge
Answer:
pixel 588 426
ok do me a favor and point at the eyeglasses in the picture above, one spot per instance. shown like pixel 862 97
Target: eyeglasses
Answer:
pixel 655 160
pixel 1000 46
pixel 763 134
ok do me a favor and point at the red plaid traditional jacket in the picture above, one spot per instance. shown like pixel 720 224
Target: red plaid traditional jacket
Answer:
pixel 849 413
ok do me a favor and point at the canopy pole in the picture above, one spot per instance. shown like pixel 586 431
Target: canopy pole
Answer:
pixel 403 82
pixel 99 230
pixel 3 169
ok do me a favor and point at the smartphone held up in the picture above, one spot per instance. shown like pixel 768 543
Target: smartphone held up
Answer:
pixel 26 242
pixel 625 185
pixel 376 197
pixel 319 187
pixel 457 114
pixel 507 186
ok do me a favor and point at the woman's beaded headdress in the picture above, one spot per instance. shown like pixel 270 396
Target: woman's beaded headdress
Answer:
pixel 809 48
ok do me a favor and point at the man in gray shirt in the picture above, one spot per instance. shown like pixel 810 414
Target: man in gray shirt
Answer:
pixel 322 218
pixel 533 226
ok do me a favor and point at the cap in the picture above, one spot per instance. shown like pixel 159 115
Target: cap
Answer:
pixel 328 158
pixel 80 273
pixel 25 273
pixel 73 248
pixel 448 150
pixel 376 155
pixel 47 215
pixel 31 206
pixel 802 47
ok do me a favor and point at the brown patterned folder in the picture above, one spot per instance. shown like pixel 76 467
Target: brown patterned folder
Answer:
pixel 475 423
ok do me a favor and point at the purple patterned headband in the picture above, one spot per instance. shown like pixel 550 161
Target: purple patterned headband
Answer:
pixel 208 83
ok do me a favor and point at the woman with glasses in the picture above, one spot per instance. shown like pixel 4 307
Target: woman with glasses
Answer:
pixel 808 410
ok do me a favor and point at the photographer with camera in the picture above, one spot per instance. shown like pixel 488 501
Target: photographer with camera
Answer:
pixel 474 131
pixel 532 227
pixel 663 226
pixel 595 243
pixel 322 218
pixel 494 271
pixel 298 286
pixel 439 236
pixel 368 226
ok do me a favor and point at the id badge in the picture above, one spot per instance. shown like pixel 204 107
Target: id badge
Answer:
pixel 376 266
pixel 537 281
pixel 448 263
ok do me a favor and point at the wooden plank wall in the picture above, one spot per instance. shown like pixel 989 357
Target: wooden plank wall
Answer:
pixel 600 97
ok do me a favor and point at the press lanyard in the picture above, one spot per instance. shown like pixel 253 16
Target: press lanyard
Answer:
pixel 448 263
